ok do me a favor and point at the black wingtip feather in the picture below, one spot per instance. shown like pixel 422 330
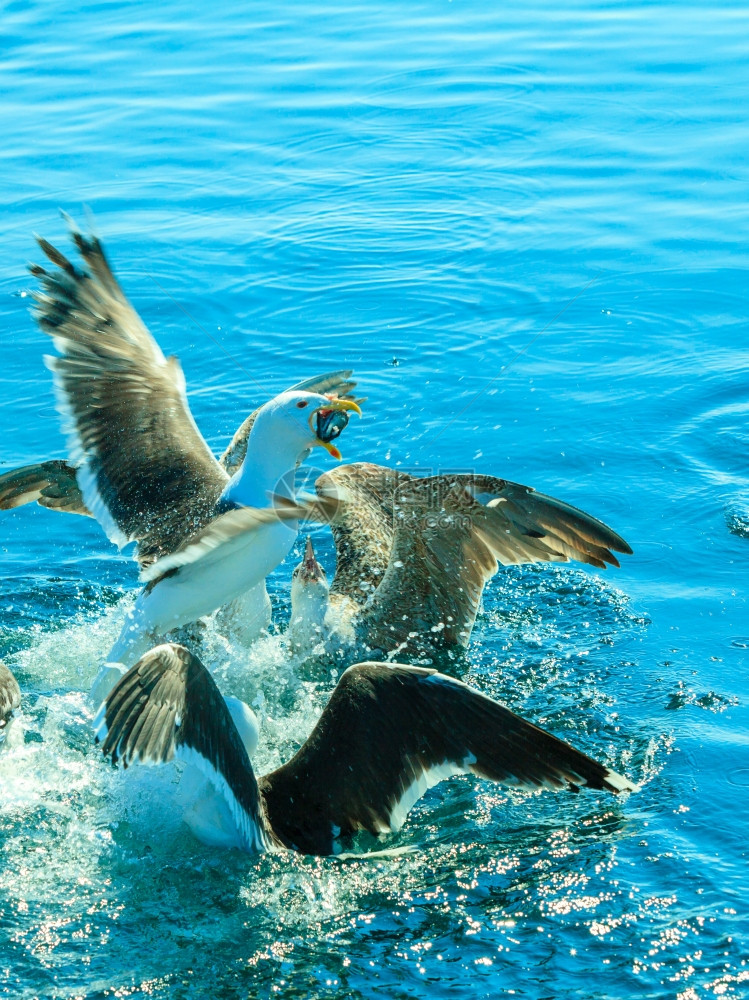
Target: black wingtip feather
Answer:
pixel 55 255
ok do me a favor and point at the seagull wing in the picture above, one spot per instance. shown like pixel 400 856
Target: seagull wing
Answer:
pixel 450 535
pixel 525 526
pixel 144 469
pixel 362 525
pixel 388 733
pixel 52 484
pixel 232 529
pixel 167 706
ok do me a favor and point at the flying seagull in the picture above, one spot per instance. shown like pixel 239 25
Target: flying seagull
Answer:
pixel 143 468
pixel 388 733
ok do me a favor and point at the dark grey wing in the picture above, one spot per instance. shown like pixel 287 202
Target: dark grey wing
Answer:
pixel 10 698
pixel 144 469
pixel 52 484
pixel 362 527
pixel 167 705
pixel 388 733
pixel 451 533
pixel 525 526
pixel 335 383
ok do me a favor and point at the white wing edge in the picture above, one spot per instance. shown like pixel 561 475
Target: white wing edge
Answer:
pixel 79 460
pixel 428 778
pixel 252 837
pixel 226 528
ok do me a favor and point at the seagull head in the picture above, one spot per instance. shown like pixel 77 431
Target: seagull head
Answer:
pixel 309 572
pixel 309 420
pixel 309 599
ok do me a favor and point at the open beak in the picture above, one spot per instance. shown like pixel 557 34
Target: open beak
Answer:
pixel 311 568
pixel 327 422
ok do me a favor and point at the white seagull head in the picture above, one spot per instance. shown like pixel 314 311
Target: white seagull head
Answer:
pixel 304 420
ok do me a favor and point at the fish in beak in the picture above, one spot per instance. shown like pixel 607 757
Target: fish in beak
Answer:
pixel 328 421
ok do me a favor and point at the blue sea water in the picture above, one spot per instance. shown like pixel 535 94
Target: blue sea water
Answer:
pixel 526 229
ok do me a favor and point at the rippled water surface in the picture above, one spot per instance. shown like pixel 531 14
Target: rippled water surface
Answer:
pixel 526 229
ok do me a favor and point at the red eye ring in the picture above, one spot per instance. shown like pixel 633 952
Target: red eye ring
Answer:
pixel 301 404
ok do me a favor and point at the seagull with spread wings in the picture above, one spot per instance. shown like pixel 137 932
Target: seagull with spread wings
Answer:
pixel 53 484
pixel 388 733
pixel 144 470
pixel 413 556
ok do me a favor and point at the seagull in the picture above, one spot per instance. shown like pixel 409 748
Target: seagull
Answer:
pixel 388 733
pixel 10 700
pixel 311 621
pixel 413 556
pixel 53 484
pixel 143 468
pixel 219 564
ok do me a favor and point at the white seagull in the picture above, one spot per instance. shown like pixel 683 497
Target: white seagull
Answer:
pixel 54 485
pixel 388 733
pixel 143 468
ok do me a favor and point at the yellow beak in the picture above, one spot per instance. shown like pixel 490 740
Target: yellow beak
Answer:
pixel 330 448
pixel 343 404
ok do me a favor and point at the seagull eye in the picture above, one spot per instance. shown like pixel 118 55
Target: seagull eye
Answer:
pixel 301 404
